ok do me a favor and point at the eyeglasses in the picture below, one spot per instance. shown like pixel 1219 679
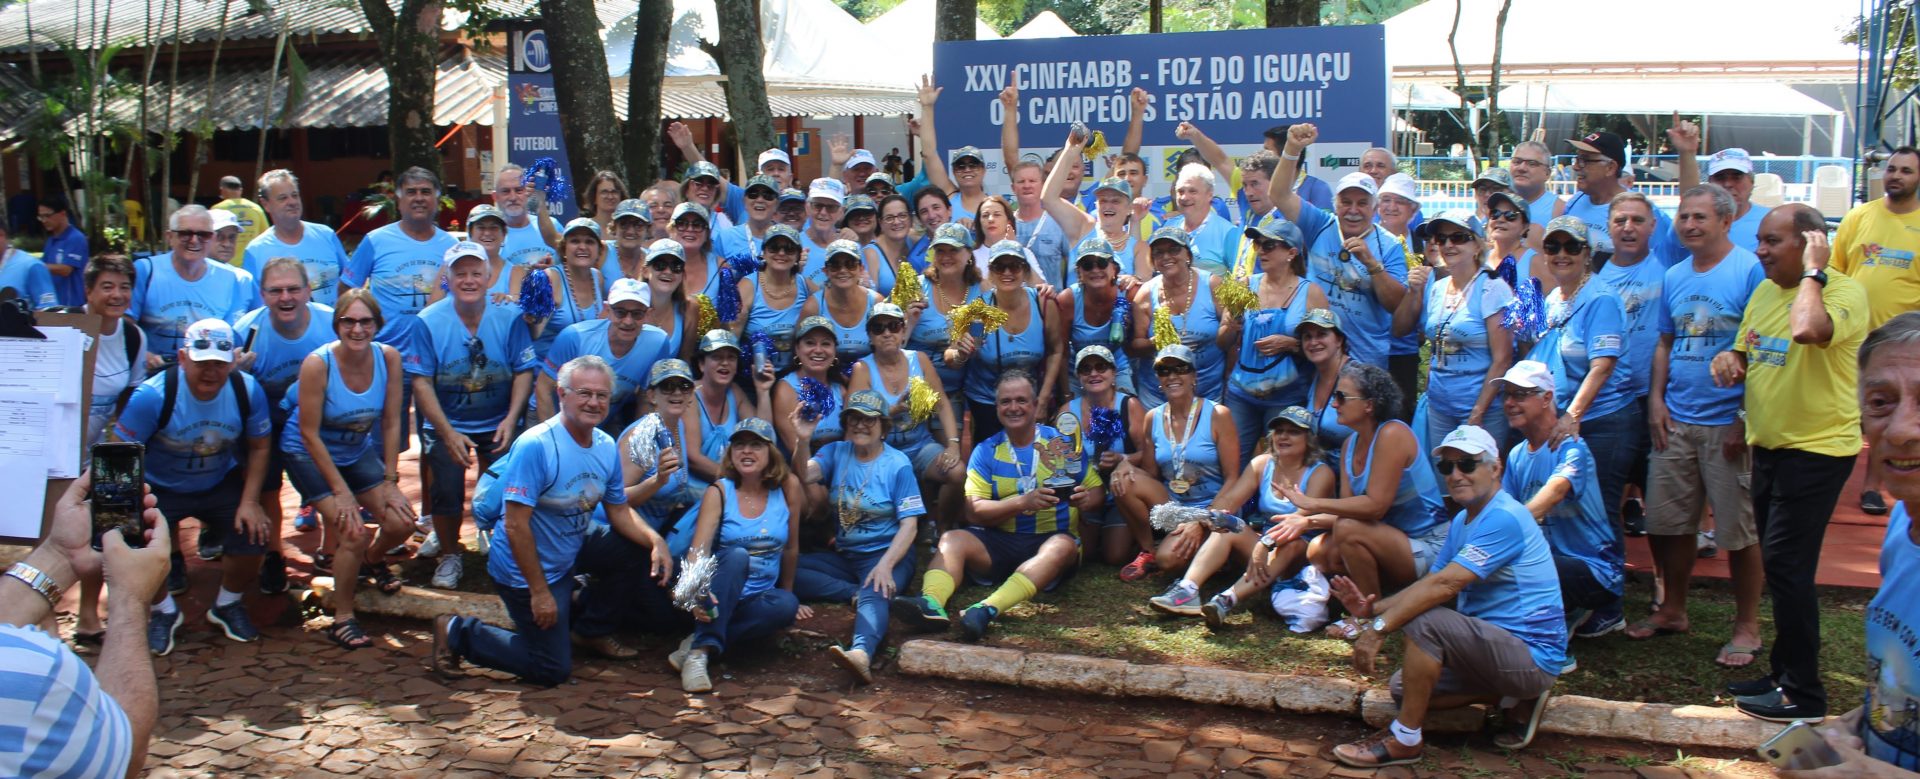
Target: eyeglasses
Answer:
pixel 635 312
pixel 1523 162
pixel 203 344
pixel 1094 263
pixel 675 387
pixel 193 235
pixel 896 218
pixel 355 323
pixel 44 215
pixel 1520 393
pixel 274 292
pixel 1175 369
pixel 825 208
pixel 886 326
pixel 476 354
pixel 1590 160
pixel 1505 215
pixel 1446 465
pixel 669 265
pixel 594 395
pixel 1563 247
pixel 1455 238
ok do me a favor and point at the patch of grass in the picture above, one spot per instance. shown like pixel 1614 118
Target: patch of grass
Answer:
pixel 1098 615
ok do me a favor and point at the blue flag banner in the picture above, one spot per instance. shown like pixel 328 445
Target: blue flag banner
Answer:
pixel 533 122
pixel 1232 85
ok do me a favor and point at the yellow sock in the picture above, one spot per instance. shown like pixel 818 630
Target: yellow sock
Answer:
pixel 938 586
pixel 1016 591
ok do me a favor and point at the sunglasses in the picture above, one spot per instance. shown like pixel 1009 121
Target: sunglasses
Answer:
pixel 203 344
pixel 627 313
pixel 1504 215
pixel 1564 247
pixel 1094 366
pixel 674 266
pixel 1094 263
pixel 675 387
pixel 969 164
pixel 1172 370
pixel 689 224
pixel 1446 465
pixel 193 235
pixel 886 326
pixel 842 262
pixel 762 194
pixel 476 354
pixel 1270 245
pixel 1007 267
pixel 1341 396
pixel 782 247
pixel 356 323
pixel 1455 238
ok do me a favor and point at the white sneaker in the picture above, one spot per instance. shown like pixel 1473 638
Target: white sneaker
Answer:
pixel 679 656
pixel 429 547
pixel 446 575
pixel 693 675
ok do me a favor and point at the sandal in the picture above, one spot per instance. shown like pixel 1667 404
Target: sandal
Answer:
pixel 1345 630
pixel 1729 649
pixel 381 577
pixel 348 635
pixel 1647 628
pixel 89 638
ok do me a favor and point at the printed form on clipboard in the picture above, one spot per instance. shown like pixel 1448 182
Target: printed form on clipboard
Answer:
pixel 49 369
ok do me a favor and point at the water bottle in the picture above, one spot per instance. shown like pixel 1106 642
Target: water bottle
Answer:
pixel 1225 522
pixel 662 441
pixel 759 357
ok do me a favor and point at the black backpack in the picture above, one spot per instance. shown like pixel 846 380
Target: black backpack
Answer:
pixel 171 391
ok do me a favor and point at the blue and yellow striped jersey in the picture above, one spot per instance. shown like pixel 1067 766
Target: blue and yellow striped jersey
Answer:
pixel 994 473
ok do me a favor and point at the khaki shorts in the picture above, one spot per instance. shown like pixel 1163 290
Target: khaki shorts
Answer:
pixel 1691 474
pixel 1476 657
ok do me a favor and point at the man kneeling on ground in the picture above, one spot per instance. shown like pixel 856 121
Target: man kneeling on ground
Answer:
pixel 1472 625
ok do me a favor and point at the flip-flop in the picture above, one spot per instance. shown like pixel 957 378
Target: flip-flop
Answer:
pixel 1730 648
pixel 1647 629
pixel 90 638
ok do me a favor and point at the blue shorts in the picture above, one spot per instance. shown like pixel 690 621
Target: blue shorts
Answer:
pixel 361 475
pixel 1007 551
pixel 922 456
pixel 216 509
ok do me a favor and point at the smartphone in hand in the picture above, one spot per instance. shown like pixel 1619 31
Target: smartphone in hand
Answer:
pixel 118 494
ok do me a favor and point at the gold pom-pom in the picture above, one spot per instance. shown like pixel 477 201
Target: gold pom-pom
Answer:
pixel 906 286
pixel 922 401
pixel 707 318
pixel 1163 333
pixel 1096 146
pixel 1235 297
pixel 992 318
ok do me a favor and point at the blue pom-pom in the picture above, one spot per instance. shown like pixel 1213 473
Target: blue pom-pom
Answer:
pixel 536 296
pixel 745 266
pixel 1103 426
pixel 816 400
pixel 547 176
pixel 1526 316
pixel 726 300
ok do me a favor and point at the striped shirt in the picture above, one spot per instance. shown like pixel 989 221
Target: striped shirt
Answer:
pixel 55 721
pixel 995 471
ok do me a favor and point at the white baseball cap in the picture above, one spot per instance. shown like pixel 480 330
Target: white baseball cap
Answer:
pixel 1730 159
pixel 463 249
pixel 827 189
pixel 209 339
pixel 1469 439
pixel 860 156
pixel 1401 184
pixel 773 155
pixel 223 219
pixel 634 290
pixel 1358 180
pixel 1529 374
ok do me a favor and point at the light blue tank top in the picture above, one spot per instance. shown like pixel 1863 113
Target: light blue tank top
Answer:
pixel 829 429
pixel 1277 380
pixel 1004 350
pixel 884 268
pixel 1271 503
pixel 713 436
pixel 1416 509
pixel 680 493
pixel 566 311
pixel 1085 334
pixel 348 418
pixel 777 323
pixel 905 435
pixel 1201 456
pixel 1198 327
pixel 929 336
pixel 764 537
pixel 852 343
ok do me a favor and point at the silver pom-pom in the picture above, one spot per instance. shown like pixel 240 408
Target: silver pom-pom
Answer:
pixel 644 447
pixel 695 586
pixel 1167 516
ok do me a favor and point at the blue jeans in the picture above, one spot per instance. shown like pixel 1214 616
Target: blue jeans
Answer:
pixel 1250 417
pixel 740 619
pixel 1438 425
pixel 836 576
pixel 1616 439
pixel 544 656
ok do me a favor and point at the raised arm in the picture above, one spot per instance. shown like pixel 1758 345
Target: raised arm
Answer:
pixel 1685 137
pixel 1137 123
pixel 1010 125
pixel 1074 223
pixel 682 139
pixel 1280 189
pixel 930 161
pixel 1216 157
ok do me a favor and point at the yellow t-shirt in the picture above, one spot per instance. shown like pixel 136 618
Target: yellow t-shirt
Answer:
pixel 1801 396
pixel 1877 248
pixel 253 222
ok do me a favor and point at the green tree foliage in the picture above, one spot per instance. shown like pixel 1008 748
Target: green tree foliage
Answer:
pixel 1901 36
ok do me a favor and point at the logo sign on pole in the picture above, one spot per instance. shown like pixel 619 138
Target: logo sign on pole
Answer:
pixel 533 121
pixel 1232 85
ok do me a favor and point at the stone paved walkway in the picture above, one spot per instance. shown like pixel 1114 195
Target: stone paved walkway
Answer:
pixel 294 705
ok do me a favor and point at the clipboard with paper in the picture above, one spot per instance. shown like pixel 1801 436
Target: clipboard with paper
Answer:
pixel 44 393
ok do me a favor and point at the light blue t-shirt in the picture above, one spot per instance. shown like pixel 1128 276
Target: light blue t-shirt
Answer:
pixel 69 248
pixel 813 265
pixel 1519 587
pixel 202 442
pixel 1462 348
pixel 1349 288
pixel 1702 313
pixel 318 249
pixel 1215 242
pixel 1639 286
pixel 1578 527
pixel 472 373
pixel 1746 230
pixel 277 359
pixel 348 419
pixel 1889 730
pixel 763 537
pixel 1662 244
pixel 1044 239
pixel 402 272
pixel 882 493
pixel 29 278
pixel 568 310
pixel 1593 325
pixel 525 245
pixel 563 482
pixel 165 304
pixel 629 370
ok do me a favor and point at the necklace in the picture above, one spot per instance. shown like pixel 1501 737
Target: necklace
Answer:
pixel 1193 288
pixel 1452 300
pixel 1179 483
pixel 1567 297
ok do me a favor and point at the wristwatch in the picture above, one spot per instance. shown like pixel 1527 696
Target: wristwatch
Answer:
pixel 1379 624
pixel 38 580
pixel 1818 276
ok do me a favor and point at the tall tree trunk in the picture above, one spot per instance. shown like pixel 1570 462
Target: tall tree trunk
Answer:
pixel 740 53
pixel 1293 13
pixel 953 20
pixel 645 77
pixel 582 87
pixel 410 52
pixel 1460 82
pixel 1490 149
pixel 172 137
pixel 266 103
pixel 1156 17
pixel 203 133
pixel 140 189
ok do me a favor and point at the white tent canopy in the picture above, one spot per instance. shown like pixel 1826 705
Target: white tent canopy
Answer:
pixel 811 41
pixel 1662 97
pixel 1424 97
pixel 1046 25
pixel 907 32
